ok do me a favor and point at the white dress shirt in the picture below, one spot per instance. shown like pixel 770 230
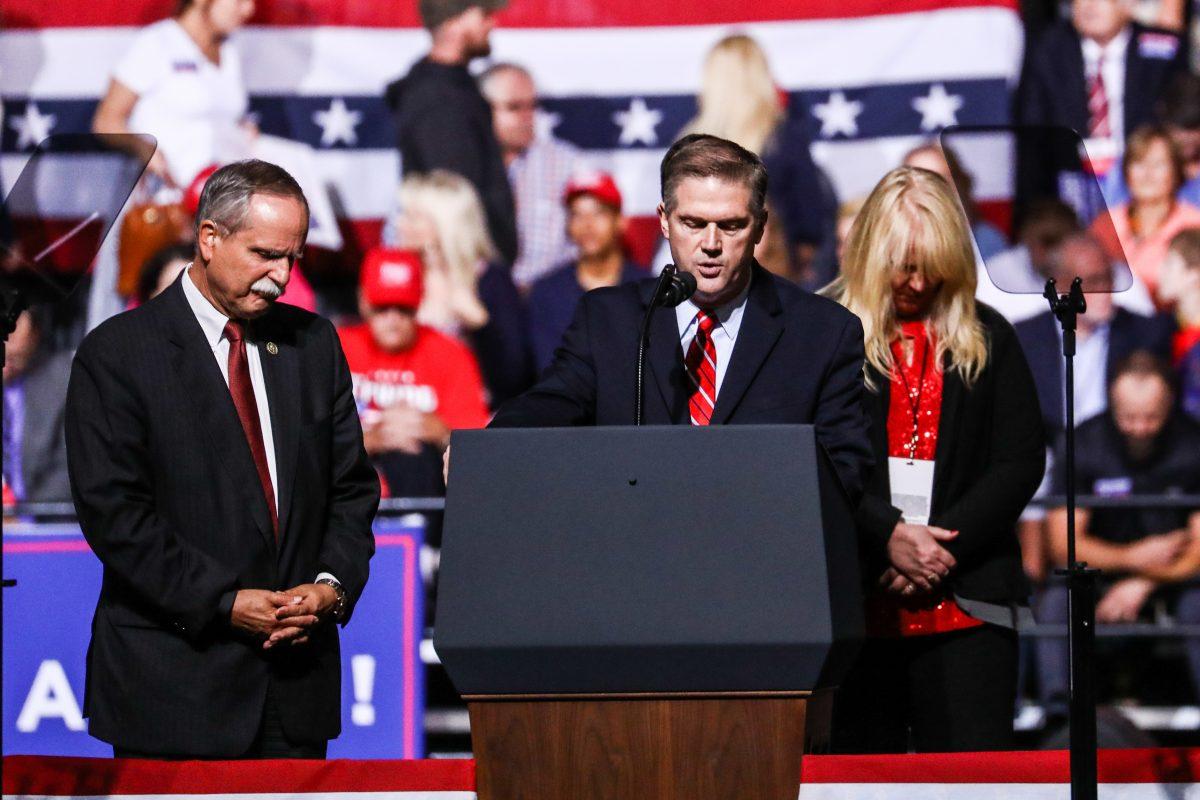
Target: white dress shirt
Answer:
pixel 212 322
pixel 1091 373
pixel 724 335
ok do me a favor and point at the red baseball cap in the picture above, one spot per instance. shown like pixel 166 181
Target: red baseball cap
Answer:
pixel 599 185
pixel 391 277
pixel 191 195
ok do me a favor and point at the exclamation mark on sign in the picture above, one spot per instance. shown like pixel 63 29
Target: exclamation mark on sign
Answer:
pixel 362 670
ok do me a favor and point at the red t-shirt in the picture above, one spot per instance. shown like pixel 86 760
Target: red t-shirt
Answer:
pixel 917 387
pixel 438 375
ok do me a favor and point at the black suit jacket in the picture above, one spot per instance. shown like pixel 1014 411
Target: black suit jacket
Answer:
pixel 990 459
pixel 1042 343
pixel 169 499
pixel 443 121
pixel 798 359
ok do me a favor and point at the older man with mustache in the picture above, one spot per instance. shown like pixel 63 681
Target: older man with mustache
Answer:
pixel 218 471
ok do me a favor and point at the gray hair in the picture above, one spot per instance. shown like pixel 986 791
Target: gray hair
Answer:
pixel 497 69
pixel 225 200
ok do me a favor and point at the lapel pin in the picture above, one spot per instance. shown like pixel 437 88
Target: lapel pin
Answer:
pixel 272 348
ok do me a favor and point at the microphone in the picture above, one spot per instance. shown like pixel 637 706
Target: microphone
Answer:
pixel 681 286
pixel 673 288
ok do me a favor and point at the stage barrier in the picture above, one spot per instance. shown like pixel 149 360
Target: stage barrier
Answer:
pixel 1043 775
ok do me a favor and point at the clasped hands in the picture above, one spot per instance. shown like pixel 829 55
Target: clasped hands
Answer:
pixel 286 617
pixel 918 560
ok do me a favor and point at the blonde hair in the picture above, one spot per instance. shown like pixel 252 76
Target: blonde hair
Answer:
pixel 912 219
pixel 460 224
pixel 738 99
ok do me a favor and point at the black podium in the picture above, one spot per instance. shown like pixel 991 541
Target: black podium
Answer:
pixel 655 612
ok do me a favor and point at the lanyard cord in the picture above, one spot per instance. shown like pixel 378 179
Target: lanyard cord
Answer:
pixel 914 399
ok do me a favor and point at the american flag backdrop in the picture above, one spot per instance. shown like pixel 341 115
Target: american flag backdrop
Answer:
pixel 618 78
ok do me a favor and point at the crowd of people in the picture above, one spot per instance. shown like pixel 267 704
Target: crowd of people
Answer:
pixel 498 233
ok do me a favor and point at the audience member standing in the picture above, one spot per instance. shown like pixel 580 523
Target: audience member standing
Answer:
pixel 468 292
pixel 1099 73
pixel 1144 445
pixel 442 119
pixel 1106 335
pixel 35 394
pixel 1141 229
pixel 959 449
pixel 740 101
pixel 413 385
pixel 181 82
pixel 538 169
pixel 595 225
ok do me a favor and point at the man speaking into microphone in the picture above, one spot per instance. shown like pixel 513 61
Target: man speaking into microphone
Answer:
pixel 746 348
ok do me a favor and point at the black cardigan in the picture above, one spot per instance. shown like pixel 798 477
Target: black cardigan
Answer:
pixel 990 459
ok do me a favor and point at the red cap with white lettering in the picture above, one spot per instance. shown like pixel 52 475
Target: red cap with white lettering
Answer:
pixel 599 185
pixel 391 277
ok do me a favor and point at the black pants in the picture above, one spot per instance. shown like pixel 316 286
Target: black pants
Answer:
pixel 948 691
pixel 269 742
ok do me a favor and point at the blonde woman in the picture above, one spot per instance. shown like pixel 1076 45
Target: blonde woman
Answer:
pixel 467 292
pixel 740 101
pixel 959 451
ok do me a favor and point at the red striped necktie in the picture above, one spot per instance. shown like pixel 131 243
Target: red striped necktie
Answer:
pixel 1098 122
pixel 701 365
pixel 247 411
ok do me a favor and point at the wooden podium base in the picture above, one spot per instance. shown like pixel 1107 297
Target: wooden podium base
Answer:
pixel 645 747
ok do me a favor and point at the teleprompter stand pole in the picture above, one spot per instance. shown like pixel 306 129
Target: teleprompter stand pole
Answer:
pixel 1081 579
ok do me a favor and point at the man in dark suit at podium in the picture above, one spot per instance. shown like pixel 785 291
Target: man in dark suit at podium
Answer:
pixel 747 348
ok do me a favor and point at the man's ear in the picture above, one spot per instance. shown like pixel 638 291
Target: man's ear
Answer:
pixel 206 240
pixel 762 228
pixel 662 221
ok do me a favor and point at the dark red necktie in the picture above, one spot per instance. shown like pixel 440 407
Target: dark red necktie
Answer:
pixel 1098 122
pixel 247 410
pixel 701 364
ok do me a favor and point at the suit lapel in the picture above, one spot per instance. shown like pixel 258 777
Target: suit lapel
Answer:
pixel 877 403
pixel 664 359
pixel 281 373
pixel 210 402
pixel 759 331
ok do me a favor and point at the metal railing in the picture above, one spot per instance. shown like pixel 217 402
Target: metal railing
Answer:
pixel 388 507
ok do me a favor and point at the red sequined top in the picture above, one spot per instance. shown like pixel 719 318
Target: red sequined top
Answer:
pixel 915 390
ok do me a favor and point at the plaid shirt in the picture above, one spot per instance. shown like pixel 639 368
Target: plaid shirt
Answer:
pixel 538 178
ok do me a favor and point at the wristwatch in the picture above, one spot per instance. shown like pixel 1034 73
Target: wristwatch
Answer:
pixel 339 606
